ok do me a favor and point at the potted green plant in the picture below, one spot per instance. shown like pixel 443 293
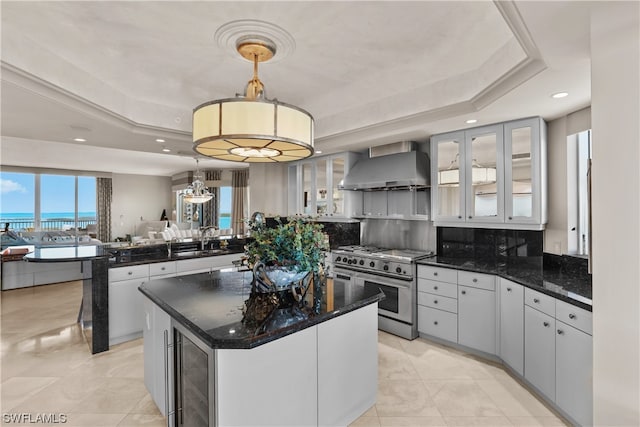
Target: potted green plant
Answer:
pixel 284 259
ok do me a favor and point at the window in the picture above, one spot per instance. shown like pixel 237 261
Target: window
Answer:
pixel 17 200
pixel 578 178
pixel 224 219
pixel 47 202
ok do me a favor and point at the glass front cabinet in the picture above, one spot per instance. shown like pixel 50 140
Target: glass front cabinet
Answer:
pixel 491 176
pixel 313 187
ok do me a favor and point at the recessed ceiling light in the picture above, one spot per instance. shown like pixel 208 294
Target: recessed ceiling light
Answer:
pixel 166 150
pixel 560 95
pixel 159 140
pixel 470 121
pixel 79 140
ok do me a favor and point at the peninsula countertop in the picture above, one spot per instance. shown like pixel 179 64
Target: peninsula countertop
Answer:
pixel 66 253
pixel 572 288
pixel 210 306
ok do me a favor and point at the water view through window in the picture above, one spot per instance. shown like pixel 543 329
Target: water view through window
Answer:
pixel 65 202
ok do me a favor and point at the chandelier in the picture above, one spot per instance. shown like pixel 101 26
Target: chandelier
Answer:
pixel 197 191
pixel 252 128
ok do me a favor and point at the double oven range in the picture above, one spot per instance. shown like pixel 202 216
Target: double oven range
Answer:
pixel 394 272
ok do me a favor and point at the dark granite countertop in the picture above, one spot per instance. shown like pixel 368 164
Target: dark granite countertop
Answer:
pixel 66 253
pixel 163 256
pixel 210 306
pixel 572 288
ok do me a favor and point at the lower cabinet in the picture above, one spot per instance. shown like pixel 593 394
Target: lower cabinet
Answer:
pixel 438 323
pixel 125 310
pixel 512 325
pixel 540 351
pixel 543 339
pixel 477 318
pixel 158 354
pixel 574 373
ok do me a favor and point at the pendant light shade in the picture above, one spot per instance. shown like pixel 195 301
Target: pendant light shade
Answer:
pixel 197 191
pixel 252 128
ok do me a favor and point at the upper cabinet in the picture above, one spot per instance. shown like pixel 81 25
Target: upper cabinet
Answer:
pixel 313 187
pixel 491 176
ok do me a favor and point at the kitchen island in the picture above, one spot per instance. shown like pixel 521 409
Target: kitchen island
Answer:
pixel 318 371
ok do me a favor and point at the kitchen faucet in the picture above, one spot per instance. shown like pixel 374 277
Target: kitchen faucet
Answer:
pixel 204 234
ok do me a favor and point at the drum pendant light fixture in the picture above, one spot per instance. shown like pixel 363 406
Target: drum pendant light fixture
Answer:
pixel 252 128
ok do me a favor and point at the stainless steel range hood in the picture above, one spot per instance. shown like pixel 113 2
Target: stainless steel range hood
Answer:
pixel 394 171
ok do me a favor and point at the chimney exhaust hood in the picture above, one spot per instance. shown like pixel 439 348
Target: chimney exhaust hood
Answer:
pixel 394 171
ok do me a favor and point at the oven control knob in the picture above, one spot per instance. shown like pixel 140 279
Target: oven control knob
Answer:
pixel 338 259
pixel 385 268
pixel 354 261
pixel 372 264
pixel 361 262
pixel 398 270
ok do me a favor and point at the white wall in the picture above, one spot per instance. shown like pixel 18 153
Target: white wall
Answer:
pixel 268 189
pixel 615 113
pixel 557 229
pixel 136 196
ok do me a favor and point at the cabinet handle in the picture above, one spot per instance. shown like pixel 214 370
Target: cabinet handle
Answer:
pixel 463 292
pixel 435 288
pixel 435 301
pixel 470 217
pixel 510 218
pixel 435 273
pixel 130 273
pixel 508 289
pixel 572 316
pixel 560 332
pixel 163 268
pixel 435 323
pixel 546 324
pixel 536 300
pixel 459 216
pixel 475 280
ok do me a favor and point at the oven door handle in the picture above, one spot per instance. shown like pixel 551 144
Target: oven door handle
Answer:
pixel 343 277
pixel 385 281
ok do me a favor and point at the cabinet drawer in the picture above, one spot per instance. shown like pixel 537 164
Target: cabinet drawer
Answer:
pixel 438 323
pixel 477 280
pixel 128 273
pixel 162 268
pixel 439 288
pixel 574 316
pixel 439 302
pixel 540 301
pixel 438 273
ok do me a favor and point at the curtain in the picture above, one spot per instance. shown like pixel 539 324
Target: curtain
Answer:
pixel 239 182
pixel 211 209
pixel 103 200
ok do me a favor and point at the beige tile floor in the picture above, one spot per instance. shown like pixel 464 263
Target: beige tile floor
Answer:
pixel 46 368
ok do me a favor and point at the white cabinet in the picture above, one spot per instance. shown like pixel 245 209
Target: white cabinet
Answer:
pixel 157 342
pixel 477 318
pixel 512 325
pixel 491 176
pixel 126 313
pixel 574 373
pixel 162 269
pixel 313 187
pixel 540 351
pixel 437 302
pixel 125 310
pixel 525 172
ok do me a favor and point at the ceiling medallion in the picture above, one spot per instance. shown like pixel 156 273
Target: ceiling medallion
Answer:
pixel 253 128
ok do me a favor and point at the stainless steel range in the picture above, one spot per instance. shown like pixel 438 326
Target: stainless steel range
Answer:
pixel 391 270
